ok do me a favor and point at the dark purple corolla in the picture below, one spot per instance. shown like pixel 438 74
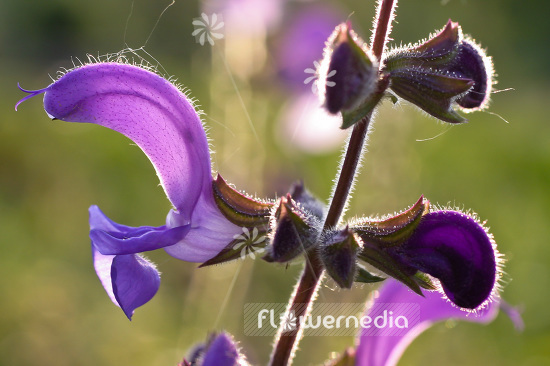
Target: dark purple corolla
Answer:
pixel 448 245
pixel 220 350
pixel 410 316
pixel 455 249
pixel 161 120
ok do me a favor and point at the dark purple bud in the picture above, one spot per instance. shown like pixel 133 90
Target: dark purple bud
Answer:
pixel 474 64
pixel 294 231
pixel 220 350
pixel 338 252
pixel 442 73
pixel 349 71
pixel 454 248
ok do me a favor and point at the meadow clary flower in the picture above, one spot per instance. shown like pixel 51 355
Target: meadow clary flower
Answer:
pixel 383 346
pixel 160 119
pixel 220 350
pixel 449 245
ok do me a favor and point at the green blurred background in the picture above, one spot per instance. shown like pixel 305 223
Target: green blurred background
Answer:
pixel 53 310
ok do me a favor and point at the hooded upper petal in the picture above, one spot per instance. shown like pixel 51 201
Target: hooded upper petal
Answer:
pixel 222 351
pixel 149 110
pixel 160 119
pixel 457 250
pixel 378 347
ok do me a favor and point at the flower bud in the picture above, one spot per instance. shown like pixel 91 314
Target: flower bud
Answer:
pixel 293 232
pixel 220 349
pixel 349 71
pixel 442 73
pixel 473 63
pixel 339 255
pixel 450 246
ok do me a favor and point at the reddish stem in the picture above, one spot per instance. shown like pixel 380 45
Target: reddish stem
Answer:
pixel 307 287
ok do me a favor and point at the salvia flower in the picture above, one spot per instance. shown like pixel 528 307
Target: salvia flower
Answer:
pixel 220 350
pixel 447 72
pixel 160 119
pixel 449 245
pixel 384 346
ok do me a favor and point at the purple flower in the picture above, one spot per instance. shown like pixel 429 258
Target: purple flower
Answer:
pixel 454 248
pixel 383 346
pixel 221 350
pixel 448 245
pixel 161 120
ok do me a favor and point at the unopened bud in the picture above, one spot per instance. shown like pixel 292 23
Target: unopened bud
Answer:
pixel 294 231
pixel 442 73
pixel 339 255
pixel 349 71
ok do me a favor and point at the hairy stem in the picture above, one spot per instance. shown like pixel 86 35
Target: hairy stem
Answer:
pixel 306 290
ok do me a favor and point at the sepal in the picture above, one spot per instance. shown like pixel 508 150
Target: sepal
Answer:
pixel 365 276
pixel 239 209
pixel 445 72
pixel 250 242
pixel 338 253
pixel 431 90
pixel 436 52
pixel 351 117
pixel 394 230
pixel 380 259
pixel 379 236
pixel 294 231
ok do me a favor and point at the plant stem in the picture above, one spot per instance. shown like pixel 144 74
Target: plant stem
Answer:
pixel 306 289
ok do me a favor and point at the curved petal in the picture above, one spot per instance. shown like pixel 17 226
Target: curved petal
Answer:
pixel 473 63
pixel 150 111
pixel 222 351
pixel 129 280
pixel 377 347
pixel 210 232
pixel 110 238
pixel 457 250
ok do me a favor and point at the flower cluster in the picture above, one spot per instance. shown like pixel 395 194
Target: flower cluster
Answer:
pixel 446 72
pixel 420 249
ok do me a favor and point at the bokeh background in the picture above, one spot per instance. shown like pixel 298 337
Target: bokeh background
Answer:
pixel 53 310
